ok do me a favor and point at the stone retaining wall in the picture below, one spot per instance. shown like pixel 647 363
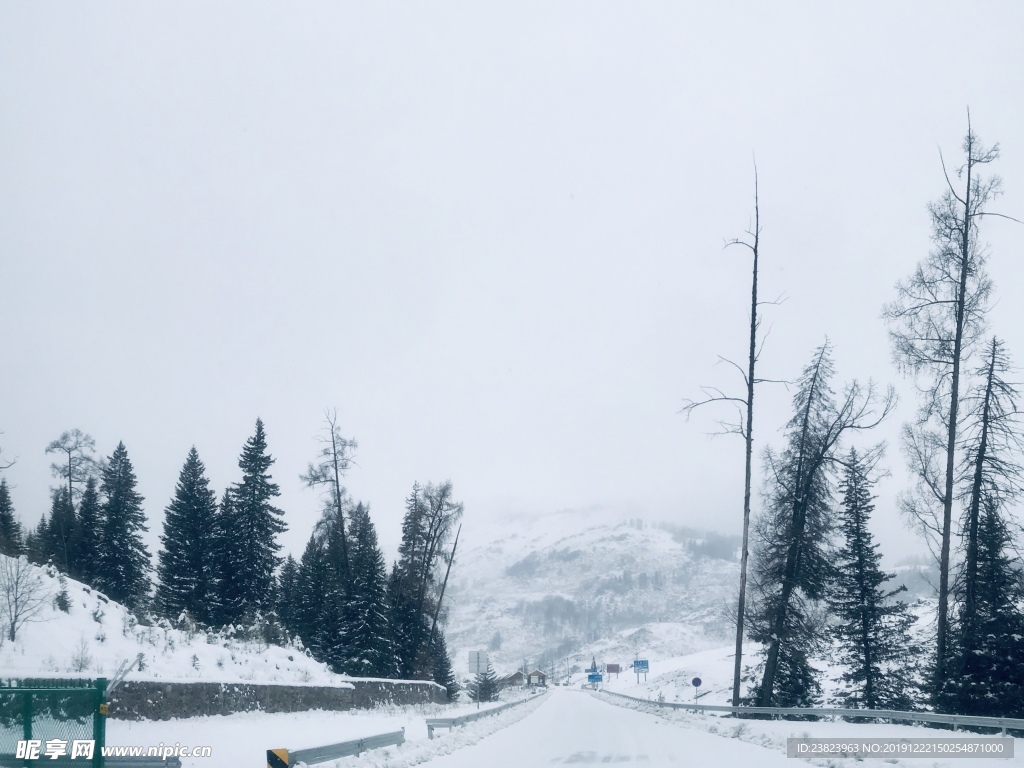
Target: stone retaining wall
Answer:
pixel 152 700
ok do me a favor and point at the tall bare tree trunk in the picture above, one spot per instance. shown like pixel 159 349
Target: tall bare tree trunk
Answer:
pixel 749 439
pixel 941 649
pixel 444 586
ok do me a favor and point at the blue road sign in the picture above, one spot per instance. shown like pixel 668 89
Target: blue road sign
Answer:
pixel 696 682
pixel 592 678
pixel 640 665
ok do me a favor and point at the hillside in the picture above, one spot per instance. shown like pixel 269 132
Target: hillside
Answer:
pixel 96 634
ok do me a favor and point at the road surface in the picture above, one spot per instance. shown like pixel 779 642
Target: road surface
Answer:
pixel 574 728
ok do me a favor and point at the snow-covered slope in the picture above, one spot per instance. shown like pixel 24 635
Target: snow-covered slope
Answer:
pixel 96 634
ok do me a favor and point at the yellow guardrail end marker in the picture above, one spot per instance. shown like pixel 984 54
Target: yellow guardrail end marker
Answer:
pixel 277 758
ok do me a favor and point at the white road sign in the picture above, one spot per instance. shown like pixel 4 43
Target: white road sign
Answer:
pixel 477 662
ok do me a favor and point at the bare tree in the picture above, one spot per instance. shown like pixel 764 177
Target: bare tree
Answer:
pixel 743 426
pixel 333 461
pixel 449 559
pixel 3 463
pixel 80 465
pixel 934 325
pixel 23 592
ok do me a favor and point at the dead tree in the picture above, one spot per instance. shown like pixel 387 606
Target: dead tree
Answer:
pixel 744 425
pixel 934 325
pixel 3 463
pixel 333 461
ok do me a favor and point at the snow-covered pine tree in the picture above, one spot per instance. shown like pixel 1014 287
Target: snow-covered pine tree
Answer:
pixel 405 616
pixel 988 653
pixel 251 528
pixel 413 588
pixel 485 687
pixel 987 621
pixel 334 626
pixel 793 533
pixel 123 572
pixel 187 570
pixel 62 531
pixel 224 559
pixel 443 674
pixel 87 533
pixel 370 653
pixel 310 595
pixel 11 543
pixel 36 545
pixel 287 595
pixel 872 631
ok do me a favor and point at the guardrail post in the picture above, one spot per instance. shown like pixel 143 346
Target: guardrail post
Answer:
pixel 26 715
pixel 430 732
pixel 99 723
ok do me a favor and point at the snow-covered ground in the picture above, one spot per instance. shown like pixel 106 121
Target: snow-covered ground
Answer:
pixel 771 735
pixel 241 740
pixel 571 726
pixel 97 634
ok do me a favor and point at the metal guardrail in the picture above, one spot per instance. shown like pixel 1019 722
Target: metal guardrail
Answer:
pixel 285 758
pixel 44 709
pixel 452 722
pixel 1002 723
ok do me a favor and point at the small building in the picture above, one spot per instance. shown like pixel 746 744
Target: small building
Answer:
pixel 516 680
pixel 537 678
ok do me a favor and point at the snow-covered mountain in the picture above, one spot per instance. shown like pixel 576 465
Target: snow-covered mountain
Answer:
pixel 556 590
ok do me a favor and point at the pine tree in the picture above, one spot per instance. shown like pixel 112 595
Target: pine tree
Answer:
pixel 287 595
pixel 88 533
pixel 187 563
pixel 443 672
pixel 414 587
pixel 225 561
pixel 61 531
pixel 369 637
pixel 408 625
pixel 335 613
pixel 485 686
pixel 872 631
pixel 37 543
pixel 311 583
pixel 987 655
pixel 251 528
pixel 11 543
pixel 793 534
pixel 123 572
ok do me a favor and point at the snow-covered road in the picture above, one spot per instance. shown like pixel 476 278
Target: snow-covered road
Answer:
pixel 575 728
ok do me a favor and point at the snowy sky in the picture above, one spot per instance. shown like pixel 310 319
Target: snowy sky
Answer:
pixel 490 236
